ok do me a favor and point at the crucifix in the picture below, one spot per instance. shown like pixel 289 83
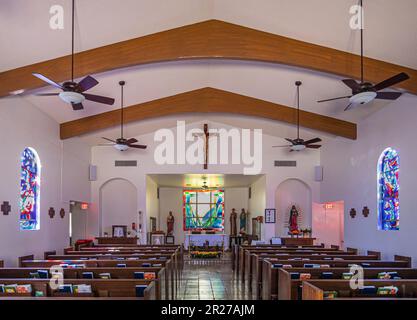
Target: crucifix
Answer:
pixel 206 134
pixel 6 208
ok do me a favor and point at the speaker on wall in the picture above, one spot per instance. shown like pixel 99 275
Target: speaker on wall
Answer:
pixel 318 173
pixel 92 173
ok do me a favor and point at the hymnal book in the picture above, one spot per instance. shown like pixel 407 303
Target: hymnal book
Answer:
pixel 146 264
pixel 34 275
pixel 121 265
pixel 82 288
pixel 368 290
pixel 295 275
pixel 65 288
pixel 152 258
pixel 326 275
pixel 39 294
pixel 1 288
pixel 330 294
pixel 133 258
pixel 156 265
pixel 305 276
pixel 83 258
pixel 43 274
pixel 10 288
pixel 88 275
pixel 287 266
pixel 139 275
pixel 308 265
pixel 324 266
pixel 92 258
pixel 365 265
pixel 105 275
pixel 140 290
pixel 120 258
pixel 387 290
pixel 277 265
pixel 150 275
pixel 347 275
pixel 24 288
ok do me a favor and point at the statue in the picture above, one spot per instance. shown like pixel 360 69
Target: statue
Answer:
pixel 293 221
pixel 233 226
pixel 243 221
pixel 170 224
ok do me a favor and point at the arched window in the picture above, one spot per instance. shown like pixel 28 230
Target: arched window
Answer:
pixel 388 190
pixel 30 178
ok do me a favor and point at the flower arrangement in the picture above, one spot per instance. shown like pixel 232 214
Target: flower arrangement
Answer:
pixel 306 232
pixel 205 254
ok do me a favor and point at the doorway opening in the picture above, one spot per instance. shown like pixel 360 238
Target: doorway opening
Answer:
pixel 328 222
pixel 77 222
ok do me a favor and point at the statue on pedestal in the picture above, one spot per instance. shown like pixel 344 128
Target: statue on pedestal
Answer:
pixel 170 224
pixel 233 226
pixel 243 221
pixel 293 221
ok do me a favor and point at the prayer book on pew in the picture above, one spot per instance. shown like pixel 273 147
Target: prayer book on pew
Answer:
pixel 388 275
pixel 140 290
pixel 330 294
pixel 347 275
pixel 83 258
pixel 324 266
pixel 150 275
pixel 365 265
pixel 82 288
pixel 387 290
pixel 121 265
pixel 146 264
pixel 305 276
pixel 1 288
pixel 24 288
pixel 119 258
pixel 34 275
pixel 156 265
pixel 368 290
pixel 88 275
pixel 105 275
pixel 287 266
pixel 295 275
pixel 139 275
pixel 133 258
pixel 10 288
pixel 326 275
pixel 277 265
pixel 65 288
pixel 43 274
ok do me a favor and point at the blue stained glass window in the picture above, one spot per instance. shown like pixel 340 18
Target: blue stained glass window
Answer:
pixel 388 190
pixel 30 175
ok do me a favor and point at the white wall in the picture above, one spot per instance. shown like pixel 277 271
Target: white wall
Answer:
pixel 257 205
pixel 22 125
pixel 152 201
pixel 104 158
pixel 350 169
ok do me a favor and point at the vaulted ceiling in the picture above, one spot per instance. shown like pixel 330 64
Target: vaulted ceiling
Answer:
pixel 102 22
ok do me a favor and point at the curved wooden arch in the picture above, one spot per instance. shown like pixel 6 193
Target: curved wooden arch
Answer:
pixel 207 100
pixel 212 39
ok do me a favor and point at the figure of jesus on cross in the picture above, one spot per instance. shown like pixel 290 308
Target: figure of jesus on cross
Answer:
pixel 206 134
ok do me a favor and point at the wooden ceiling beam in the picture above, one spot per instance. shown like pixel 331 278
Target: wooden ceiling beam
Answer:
pixel 208 100
pixel 212 39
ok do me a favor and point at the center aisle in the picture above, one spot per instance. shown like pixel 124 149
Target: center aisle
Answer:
pixel 210 279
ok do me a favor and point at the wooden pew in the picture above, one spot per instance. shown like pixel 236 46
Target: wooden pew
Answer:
pixel 314 289
pixel 253 277
pixel 170 273
pixel 270 273
pixel 100 288
pixel 289 288
pixel 1 264
pixel 48 253
pixel 161 286
pixel 23 258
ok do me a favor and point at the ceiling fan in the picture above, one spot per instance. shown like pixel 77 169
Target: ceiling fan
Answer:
pixel 364 92
pixel 299 144
pixel 73 92
pixel 122 144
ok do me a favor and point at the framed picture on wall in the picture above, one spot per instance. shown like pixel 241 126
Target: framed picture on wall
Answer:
pixel 120 231
pixel 270 215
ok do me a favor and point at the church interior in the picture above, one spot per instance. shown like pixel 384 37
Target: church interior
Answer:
pixel 208 149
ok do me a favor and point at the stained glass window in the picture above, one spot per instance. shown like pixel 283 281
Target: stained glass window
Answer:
pixel 203 209
pixel 388 190
pixel 30 174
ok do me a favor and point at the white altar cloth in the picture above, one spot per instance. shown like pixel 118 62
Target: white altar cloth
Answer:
pixel 219 239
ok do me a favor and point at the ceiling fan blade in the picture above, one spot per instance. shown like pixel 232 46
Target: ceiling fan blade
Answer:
pixel 87 83
pixel 313 146
pixel 388 95
pixel 109 139
pixel 47 94
pixel 99 99
pixel 289 140
pixel 391 81
pixel 333 99
pixel 137 146
pixel 131 140
pixel 352 84
pixel 51 82
pixel 287 146
pixel 312 141
pixel 77 106
pixel 348 107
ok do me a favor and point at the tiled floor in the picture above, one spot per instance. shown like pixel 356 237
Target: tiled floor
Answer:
pixel 210 280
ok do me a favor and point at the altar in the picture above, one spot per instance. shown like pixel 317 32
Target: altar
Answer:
pixel 219 239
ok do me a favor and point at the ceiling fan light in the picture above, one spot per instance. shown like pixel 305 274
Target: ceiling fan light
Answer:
pixel 298 147
pixel 121 147
pixel 363 97
pixel 71 97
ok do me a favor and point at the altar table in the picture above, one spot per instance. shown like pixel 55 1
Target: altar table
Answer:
pixel 219 239
pixel 300 241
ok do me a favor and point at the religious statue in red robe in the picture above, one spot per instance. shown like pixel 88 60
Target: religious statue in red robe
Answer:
pixel 293 222
pixel 170 224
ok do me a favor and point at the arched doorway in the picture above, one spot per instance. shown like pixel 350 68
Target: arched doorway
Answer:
pixel 292 192
pixel 118 204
